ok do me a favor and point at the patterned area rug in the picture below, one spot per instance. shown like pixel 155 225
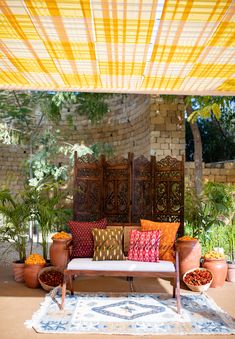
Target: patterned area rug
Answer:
pixel 136 314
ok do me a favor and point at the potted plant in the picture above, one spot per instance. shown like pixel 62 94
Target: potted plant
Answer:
pixel 15 213
pixel 215 262
pixel 230 235
pixel 45 200
pixel 33 265
pixel 206 214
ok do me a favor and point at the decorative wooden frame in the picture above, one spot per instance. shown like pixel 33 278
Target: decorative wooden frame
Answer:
pixel 126 190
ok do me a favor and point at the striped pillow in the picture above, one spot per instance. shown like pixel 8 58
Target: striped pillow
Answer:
pixel 108 244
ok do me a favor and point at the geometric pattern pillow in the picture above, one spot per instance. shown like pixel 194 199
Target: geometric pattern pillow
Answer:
pixel 144 246
pixel 108 244
pixel 82 244
pixel 168 235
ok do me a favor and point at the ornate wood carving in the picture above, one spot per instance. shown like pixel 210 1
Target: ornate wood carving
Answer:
pixel 126 190
pixel 142 189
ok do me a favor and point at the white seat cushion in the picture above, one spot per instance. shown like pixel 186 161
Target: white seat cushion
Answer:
pixel 87 264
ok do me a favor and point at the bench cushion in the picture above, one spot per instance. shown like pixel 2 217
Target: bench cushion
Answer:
pixel 87 264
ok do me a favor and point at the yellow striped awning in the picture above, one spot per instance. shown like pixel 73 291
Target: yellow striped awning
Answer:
pixel 145 46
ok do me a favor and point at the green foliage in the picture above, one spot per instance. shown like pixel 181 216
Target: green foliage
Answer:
pixel 206 107
pixel 230 240
pixel 207 216
pixel 214 146
pixel 16 215
pixel 43 161
pixel 46 210
pixel 102 148
pixel 91 105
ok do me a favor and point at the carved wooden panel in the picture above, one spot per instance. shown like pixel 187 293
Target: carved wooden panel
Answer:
pixel 87 189
pixel 142 190
pixel 126 190
pixel 116 190
pixel 168 190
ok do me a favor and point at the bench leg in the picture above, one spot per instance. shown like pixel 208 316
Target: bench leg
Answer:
pixel 178 301
pixel 174 287
pixel 63 293
pixel 71 278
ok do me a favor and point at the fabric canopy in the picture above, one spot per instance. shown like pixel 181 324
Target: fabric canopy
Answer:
pixel 164 46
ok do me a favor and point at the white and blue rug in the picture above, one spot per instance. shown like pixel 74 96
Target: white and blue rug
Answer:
pixel 136 314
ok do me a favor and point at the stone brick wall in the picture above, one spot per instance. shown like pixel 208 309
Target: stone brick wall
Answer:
pixel 167 132
pixel 223 172
pixel 12 162
pixel 125 127
pixel 142 124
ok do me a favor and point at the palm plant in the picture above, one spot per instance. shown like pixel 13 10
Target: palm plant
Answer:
pixel 46 210
pixel 207 211
pixel 15 227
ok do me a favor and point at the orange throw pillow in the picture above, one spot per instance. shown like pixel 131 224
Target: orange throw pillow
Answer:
pixel 167 238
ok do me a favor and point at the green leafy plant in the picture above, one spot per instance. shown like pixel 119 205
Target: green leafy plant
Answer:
pixel 206 214
pixel 16 215
pixel 47 210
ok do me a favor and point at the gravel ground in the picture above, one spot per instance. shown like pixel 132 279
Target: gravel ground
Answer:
pixel 9 255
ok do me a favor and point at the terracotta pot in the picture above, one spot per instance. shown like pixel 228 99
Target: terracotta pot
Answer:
pixel 60 252
pixel 219 268
pixel 231 273
pixel 189 255
pixel 18 271
pixel 31 275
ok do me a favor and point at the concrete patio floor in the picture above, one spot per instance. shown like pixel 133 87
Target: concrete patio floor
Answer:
pixel 18 303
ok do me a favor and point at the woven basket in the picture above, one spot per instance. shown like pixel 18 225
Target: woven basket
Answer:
pixel 200 288
pixel 47 269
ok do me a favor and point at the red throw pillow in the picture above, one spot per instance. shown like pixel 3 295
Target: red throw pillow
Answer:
pixel 144 246
pixel 83 245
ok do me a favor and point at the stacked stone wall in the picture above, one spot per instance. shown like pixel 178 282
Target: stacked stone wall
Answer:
pixel 12 166
pixel 141 124
pixel 167 132
pixel 223 172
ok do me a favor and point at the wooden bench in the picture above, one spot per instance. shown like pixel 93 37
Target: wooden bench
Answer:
pixel 86 267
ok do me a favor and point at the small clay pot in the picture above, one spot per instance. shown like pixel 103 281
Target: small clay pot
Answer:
pixel 231 272
pixel 59 252
pixel 189 255
pixel 31 275
pixel 18 271
pixel 219 269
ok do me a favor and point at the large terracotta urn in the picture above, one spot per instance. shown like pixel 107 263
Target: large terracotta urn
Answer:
pixel 219 269
pixel 31 274
pixel 60 252
pixel 189 255
pixel 18 271
pixel 231 272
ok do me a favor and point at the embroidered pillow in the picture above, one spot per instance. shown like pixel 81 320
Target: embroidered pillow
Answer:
pixel 82 237
pixel 144 246
pixel 168 235
pixel 108 244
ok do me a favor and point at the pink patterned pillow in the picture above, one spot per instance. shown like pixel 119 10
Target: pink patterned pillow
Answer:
pixel 83 245
pixel 144 246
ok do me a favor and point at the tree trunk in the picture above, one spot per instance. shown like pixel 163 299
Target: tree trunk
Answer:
pixel 197 153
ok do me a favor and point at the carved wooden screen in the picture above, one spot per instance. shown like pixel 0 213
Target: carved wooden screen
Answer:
pixel 126 190
pixel 168 198
pixel 117 190
pixel 88 183
pixel 142 194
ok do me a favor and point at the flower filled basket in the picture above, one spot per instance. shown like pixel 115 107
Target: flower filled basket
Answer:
pixel 198 279
pixel 50 277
